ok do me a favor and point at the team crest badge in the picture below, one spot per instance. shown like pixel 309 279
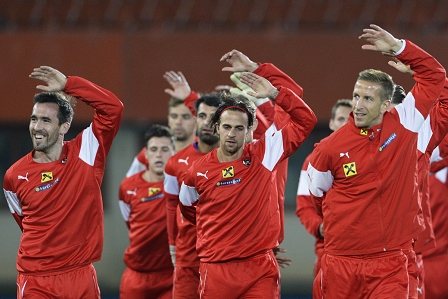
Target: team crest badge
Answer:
pixel 46 177
pixel 364 132
pixel 228 172
pixel 350 169
pixel 152 191
pixel 246 162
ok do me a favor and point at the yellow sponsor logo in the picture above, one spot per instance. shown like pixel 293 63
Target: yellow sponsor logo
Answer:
pixel 364 132
pixel 152 191
pixel 350 169
pixel 46 177
pixel 229 172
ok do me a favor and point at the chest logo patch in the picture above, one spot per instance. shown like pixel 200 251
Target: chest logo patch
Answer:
pixel 387 142
pixel 350 169
pixel 364 132
pixel 46 177
pixel 152 191
pixel 229 172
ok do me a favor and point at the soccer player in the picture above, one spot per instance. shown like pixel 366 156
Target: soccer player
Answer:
pixel 431 133
pixel 362 179
pixel 54 191
pixel 182 234
pixel 239 62
pixel 149 272
pixel 340 114
pixel 227 193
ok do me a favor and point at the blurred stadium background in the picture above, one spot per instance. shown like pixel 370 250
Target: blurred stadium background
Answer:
pixel 127 45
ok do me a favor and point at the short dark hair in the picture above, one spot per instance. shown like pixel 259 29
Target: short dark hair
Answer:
pixel 342 102
pixel 236 103
pixel 157 130
pixel 174 102
pixel 398 95
pixel 384 79
pixel 65 113
pixel 210 99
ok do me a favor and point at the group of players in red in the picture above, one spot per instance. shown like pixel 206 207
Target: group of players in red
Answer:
pixel 204 198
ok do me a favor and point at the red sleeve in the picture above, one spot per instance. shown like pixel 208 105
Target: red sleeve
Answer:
pixel 190 100
pixel 429 76
pixel 263 121
pixel 439 120
pixel 305 208
pixel 443 153
pixel 278 78
pixel 18 219
pixel 171 211
pixel 108 108
pixel 189 213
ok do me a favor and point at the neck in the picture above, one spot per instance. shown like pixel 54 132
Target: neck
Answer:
pixel 224 156
pixel 180 145
pixel 44 157
pixel 205 148
pixel 152 177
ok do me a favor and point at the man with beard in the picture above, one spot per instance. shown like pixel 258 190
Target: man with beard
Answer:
pixel 228 194
pixel 54 191
pixel 181 233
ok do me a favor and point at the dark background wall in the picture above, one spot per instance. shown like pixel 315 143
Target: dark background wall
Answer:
pixel 126 46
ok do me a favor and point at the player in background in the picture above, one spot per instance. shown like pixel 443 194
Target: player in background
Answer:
pixel 149 271
pixel 340 114
pixel 431 133
pixel 181 233
pixel 181 117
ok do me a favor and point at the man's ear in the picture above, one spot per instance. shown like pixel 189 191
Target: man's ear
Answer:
pixel 331 125
pixel 255 125
pixel 64 128
pixel 217 128
pixel 385 106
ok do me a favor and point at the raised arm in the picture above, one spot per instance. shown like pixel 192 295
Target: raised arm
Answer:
pixel 428 74
pixel 181 89
pixel 296 130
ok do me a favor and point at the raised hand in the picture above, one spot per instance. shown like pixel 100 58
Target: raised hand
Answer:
pixel 380 40
pixel 180 88
pixel 54 79
pixel 238 61
pixel 262 88
pixel 400 66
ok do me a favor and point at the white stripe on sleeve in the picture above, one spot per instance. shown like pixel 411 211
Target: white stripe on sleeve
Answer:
pixel 441 174
pixel 435 156
pixel 424 135
pixel 302 188
pixel 319 182
pixel 13 202
pixel 188 195
pixel 409 115
pixel 136 167
pixel 273 147
pixel 170 184
pixel 125 210
pixel 89 146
